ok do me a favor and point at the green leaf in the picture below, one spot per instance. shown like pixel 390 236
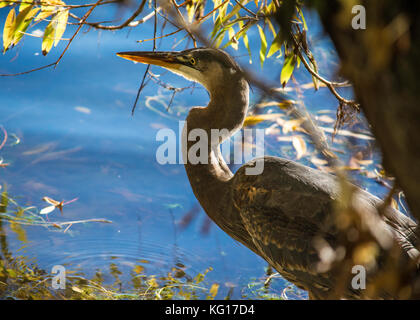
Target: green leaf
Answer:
pixel 25 4
pixel 305 26
pixel 232 39
pixel 287 70
pixel 54 31
pixel 215 30
pixel 263 49
pixel 61 18
pixel 275 45
pixel 9 28
pixel 23 20
pixel 48 39
pixel 4 4
pixel 242 33
pixel 235 10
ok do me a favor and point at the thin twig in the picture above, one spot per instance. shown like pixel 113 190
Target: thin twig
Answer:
pixel 121 26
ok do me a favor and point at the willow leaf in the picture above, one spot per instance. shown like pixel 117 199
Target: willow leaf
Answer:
pixel 232 39
pixel 23 20
pixel 48 40
pixel 25 4
pixel 3 4
pixel 275 45
pixel 61 17
pixel 263 49
pixel 242 33
pixel 287 70
pixel 8 30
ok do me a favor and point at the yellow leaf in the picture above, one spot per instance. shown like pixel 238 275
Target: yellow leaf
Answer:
pixel 24 4
pixel 23 20
pixel 4 4
pixel 8 30
pixel 214 289
pixel 275 45
pixel 394 204
pixel 138 269
pixel 300 146
pixel 255 119
pixel 287 70
pixel 190 7
pixel 43 15
pixel 233 41
pixel 76 289
pixel 263 49
pixel 48 40
pixel 61 17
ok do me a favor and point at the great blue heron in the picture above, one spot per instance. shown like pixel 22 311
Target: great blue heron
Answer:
pixel 279 213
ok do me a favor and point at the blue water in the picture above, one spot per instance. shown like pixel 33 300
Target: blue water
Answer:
pixel 79 116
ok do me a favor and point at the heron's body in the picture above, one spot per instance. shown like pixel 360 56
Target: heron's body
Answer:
pixel 277 214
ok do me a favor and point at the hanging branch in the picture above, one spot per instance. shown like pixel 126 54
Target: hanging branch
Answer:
pixel 117 27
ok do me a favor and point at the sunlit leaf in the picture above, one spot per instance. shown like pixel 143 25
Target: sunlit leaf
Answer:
pixel 4 4
pixel 76 289
pixel 275 45
pixel 242 33
pixel 214 289
pixel 138 269
pixel 44 14
pixel 394 204
pixel 51 201
pixel 190 7
pixel 263 49
pixel 233 41
pixel 305 26
pixel 61 17
pixel 300 146
pixel 234 11
pixel 287 70
pixel 255 119
pixel 23 20
pixel 47 210
pixel 9 28
pixel 48 39
pixel 24 4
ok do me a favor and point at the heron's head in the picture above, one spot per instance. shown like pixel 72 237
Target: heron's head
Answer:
pixel 208 66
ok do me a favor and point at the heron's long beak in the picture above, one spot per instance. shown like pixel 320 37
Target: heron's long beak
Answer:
pixel 164 59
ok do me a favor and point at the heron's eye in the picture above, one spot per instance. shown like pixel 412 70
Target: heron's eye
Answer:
pixel 192 61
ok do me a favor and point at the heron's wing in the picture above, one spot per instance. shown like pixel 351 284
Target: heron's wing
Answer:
pixel 286 215
pixel 287 210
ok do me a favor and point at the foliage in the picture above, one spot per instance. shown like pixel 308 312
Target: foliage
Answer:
pixel 31 12
pixel 232 22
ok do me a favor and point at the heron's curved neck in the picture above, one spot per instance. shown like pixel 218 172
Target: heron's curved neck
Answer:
pixel 225 112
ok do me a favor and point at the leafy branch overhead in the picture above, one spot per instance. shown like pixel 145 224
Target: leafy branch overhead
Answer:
pixel 222 24
pixel 29 13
